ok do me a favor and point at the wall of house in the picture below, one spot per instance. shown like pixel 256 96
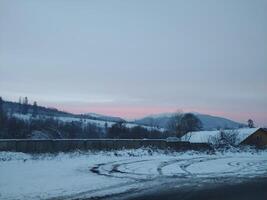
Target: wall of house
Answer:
pixel 259 139
pixel 43 146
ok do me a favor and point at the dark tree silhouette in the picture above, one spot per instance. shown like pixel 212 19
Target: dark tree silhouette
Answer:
pixel 2 114
pixel 25 106
pixel 174 123
pixel 34 109
pixel 117 130
pixel 184 123
pixel 190 122
pixel 251 123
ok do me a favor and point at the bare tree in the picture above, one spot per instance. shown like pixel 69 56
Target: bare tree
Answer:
pixel 20 108
pixel 20 100
pixel 225 138
pixel 151 122
pixel 181 123
pixel 34 109
pixel 187 137
pixel 251 123
pixel 190 123
pixel 25 106
pixel 2 114
pixel 174 123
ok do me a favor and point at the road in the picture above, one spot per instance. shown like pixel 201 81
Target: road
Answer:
pixel 255 189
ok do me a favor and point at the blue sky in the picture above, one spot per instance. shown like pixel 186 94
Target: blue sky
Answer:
pixel 132 58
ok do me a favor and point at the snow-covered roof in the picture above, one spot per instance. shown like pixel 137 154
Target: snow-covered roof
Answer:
pixel 205 136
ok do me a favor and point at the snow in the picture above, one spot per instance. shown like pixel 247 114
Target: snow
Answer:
pixel 205 136
pixel 22 116
pixel 96 174
pixel 104 117
pixel 209 122
pixel 99 123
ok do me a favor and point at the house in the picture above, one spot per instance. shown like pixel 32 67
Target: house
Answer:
pixel 244 136
pixel 258 138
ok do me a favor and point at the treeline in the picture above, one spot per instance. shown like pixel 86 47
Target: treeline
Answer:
pixel 119 130
pixel 24 107
pixel 47 128
pixel 15 128
pixel 181 123
pixel 43 127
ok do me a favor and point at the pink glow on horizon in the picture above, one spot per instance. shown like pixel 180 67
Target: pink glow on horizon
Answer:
pixel 129 112
pixel 133 112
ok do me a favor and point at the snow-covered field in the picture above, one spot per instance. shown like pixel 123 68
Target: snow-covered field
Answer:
pixel 96 174
pixel 99 123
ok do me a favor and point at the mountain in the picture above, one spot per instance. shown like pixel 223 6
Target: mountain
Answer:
pixel 214 122
pixel 14 107
pixel 209 122
pixel 37 122
pixel 159 120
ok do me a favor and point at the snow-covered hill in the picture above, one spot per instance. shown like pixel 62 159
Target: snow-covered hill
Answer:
pixel 98 122
pixel 209 122
pixel 104 117
pixel 152 121
pixel 102 121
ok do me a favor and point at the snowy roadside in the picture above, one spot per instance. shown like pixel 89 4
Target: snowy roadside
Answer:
pixel 91 174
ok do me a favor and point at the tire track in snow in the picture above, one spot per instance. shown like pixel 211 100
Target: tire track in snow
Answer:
pixel 115 172
pixel 128 169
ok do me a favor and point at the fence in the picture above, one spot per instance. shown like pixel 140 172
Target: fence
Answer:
pixel 58 145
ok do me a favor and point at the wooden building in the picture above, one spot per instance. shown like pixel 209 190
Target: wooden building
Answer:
pixel 258 138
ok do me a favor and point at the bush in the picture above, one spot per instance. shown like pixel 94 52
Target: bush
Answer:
pixel 225 139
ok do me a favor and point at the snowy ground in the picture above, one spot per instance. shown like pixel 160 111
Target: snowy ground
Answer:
pixel 99 123
pixel 96 174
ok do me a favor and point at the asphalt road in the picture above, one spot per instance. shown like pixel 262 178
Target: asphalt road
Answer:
pixel 255 189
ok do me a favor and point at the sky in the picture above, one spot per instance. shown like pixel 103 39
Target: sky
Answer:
pixel 139 57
